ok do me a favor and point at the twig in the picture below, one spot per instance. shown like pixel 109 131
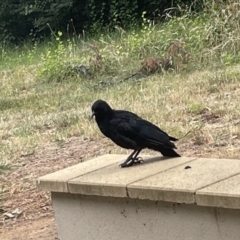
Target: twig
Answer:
pixel 194 129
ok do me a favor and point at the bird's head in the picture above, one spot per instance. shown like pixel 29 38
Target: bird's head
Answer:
pixel 100 108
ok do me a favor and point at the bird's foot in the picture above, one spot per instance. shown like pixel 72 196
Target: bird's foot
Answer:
pixel 132 161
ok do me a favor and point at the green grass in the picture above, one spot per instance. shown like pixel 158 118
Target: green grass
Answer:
pixel 43 100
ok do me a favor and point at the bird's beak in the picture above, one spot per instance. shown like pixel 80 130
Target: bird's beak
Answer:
pixel 93 114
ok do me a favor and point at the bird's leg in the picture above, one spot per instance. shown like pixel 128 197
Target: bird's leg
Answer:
pixel 124 164
pixel 136 159
pixel 132 159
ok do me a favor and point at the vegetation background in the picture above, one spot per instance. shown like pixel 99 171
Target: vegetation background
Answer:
pixel 23 18
pixel 175 63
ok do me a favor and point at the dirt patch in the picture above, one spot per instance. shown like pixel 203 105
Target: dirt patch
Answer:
pixel 43 228
pixel 35 219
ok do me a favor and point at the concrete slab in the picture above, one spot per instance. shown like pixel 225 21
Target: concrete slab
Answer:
pixel 57 181
pixel 81 217
pixel 225 194
pixel 179 184
pixel 113 180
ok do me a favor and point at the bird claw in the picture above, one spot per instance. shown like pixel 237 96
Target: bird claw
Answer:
pixel 137 160
pixel 131 162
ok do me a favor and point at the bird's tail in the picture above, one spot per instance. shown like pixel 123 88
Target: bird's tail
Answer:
pixel 168 152
pixel 173 139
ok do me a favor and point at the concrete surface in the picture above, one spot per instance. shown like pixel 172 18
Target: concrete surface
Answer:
pixel 159 199
pixel 95 217
pixel 225 194
pixel 179 184
pixel 113 180
pixel 58 181
pixel 208 182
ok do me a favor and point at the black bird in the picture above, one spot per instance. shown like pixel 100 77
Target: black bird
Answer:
pixel 129 131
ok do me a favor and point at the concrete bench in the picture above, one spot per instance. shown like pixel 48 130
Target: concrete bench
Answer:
pixel 178 198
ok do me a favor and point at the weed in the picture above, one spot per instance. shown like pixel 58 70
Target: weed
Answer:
pixel 4 167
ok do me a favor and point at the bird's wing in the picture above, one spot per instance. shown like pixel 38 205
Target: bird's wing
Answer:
pixel 152 134
pixel 135 129
pixel 122 131
pixel 142 131
pixel 124 127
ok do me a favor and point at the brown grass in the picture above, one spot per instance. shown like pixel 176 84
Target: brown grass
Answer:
pixel 205 103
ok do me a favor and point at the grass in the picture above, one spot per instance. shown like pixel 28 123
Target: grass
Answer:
pixel 44 100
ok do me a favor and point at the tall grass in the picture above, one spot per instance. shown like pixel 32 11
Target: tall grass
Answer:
pixel 44 99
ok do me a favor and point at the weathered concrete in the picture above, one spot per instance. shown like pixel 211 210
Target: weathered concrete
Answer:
pixel 224 194
pixel 155 179
pixel 180 185
pixel 113 180
pixel 91 218
pixel 158 199
pixel 57 181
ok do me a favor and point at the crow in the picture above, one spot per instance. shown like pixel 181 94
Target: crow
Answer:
pixel 130 131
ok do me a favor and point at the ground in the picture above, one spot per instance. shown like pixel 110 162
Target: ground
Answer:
pixel 36 220
pixel 36 217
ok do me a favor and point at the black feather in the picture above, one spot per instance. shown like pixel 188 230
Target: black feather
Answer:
pixel 130 131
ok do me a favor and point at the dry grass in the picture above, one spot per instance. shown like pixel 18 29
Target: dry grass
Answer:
pixel 43 100
pixel 203 102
